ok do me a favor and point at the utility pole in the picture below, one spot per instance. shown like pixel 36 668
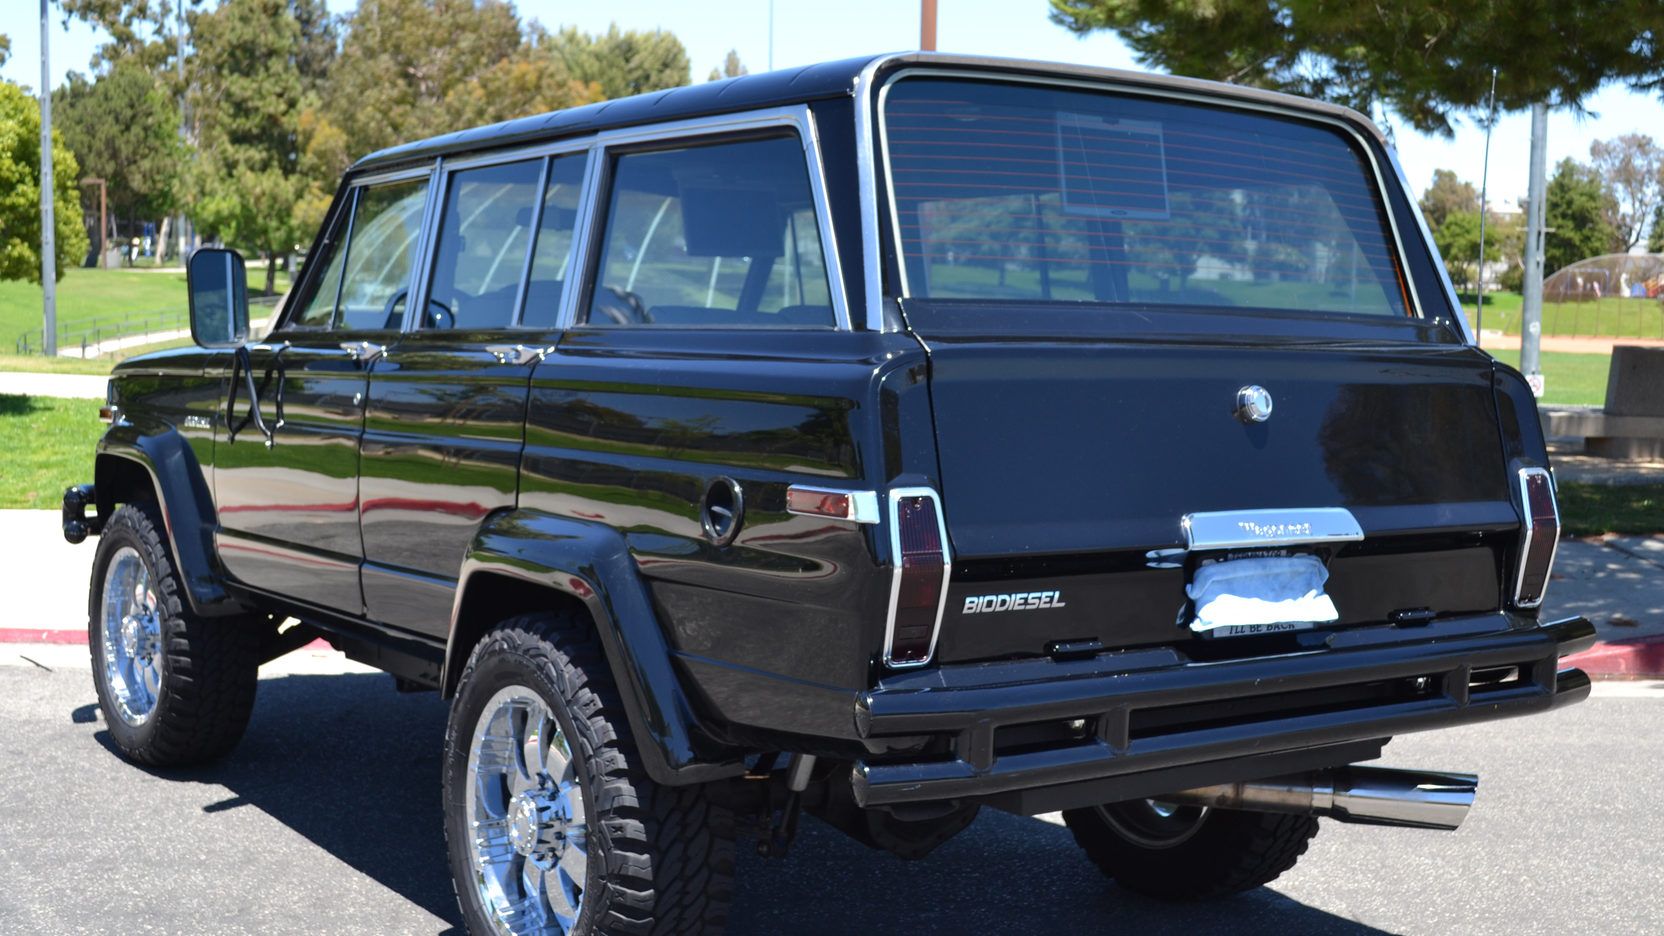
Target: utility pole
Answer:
pixel 1484 210
pixel 771 35
pixel 1531 324
pixel 48 246
pixel 184 124
pixel 927 25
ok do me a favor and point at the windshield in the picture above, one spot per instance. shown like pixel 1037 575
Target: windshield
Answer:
pixel 1023 192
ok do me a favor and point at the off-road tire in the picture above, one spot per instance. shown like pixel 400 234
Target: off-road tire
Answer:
pixel 210 666
pixel 1230 852
pixel 661 859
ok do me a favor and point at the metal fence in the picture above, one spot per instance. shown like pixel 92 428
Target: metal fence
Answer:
pixel 109 336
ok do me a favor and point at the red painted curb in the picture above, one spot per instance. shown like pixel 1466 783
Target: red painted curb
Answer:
pixel 1641 658
pixel 24 635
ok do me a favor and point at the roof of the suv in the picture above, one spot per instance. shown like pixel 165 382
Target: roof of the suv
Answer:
pixel 796 86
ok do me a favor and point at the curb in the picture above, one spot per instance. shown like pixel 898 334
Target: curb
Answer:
pixel 26 635
pixel 1639 658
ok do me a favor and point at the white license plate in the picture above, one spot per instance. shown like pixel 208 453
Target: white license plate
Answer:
pixel 1251 630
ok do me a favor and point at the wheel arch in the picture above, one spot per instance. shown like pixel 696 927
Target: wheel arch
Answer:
pixel 131 467
pixel 528 560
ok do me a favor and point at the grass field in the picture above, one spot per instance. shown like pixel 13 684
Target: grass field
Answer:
pixel 48 445
pixel 1605 318
pixel 105 297
pixel 1593 509
pixel 1567 378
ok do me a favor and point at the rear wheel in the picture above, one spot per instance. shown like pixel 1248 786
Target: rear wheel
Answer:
pixel 1189 852
pixel 550 823
pixel 176 689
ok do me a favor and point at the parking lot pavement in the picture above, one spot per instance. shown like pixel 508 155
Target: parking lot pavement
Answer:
pixel 326 820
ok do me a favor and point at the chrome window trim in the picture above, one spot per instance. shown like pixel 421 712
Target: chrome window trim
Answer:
pixel 579 265
pixel 893 515
pixel 866 171
pixel 693 132
pixel 416 291
pixel 873 101
pixel 1526 529
pixel 1255 529
pixel 863 505
pixel 396 175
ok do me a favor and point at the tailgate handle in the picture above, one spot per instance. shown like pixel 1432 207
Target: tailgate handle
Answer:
pixel 1250 529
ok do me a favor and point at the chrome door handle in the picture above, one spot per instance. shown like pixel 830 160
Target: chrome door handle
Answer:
pixel 516 354
pixel 363 351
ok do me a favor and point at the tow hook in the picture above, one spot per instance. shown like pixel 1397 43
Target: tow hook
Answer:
pixel 77 525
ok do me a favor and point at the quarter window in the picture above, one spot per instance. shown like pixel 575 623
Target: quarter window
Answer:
pixel 713 236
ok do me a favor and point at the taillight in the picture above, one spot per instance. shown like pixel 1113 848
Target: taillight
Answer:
pixel 1540 537
pixel 918 540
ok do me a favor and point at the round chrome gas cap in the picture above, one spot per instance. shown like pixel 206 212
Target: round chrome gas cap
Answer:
pixel 1253 404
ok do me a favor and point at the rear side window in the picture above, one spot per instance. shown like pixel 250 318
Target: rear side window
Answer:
pixel 1016 192
pixel 485 230
pixel 716 236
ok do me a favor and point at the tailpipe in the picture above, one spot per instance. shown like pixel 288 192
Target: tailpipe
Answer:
pixel 1415 799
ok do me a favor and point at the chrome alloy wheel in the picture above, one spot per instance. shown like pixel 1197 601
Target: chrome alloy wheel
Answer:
pixel 1154 824
pixel 525 809
pixel 132 637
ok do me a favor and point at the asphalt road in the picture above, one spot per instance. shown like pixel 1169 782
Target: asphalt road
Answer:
pixel 326 820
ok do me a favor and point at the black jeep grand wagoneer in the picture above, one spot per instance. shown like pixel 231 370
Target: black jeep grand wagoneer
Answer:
pixel 887 439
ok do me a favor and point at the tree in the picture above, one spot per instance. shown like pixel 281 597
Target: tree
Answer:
pixel 1632 166
pixel 732 67
pixel 1655 237
pixel 622 63
pixel 144 31
pixel 392 83
pixel 124 128
pixel 5 48
pixel 1576 214
pixel 1458 241
pixel 1423 59
pixel 246 94
pixel 20 192
pixel 1447 195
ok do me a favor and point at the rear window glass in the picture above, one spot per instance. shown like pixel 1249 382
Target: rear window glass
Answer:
pixel 1019 192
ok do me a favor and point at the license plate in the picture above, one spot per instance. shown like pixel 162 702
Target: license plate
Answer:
pixel 1251 630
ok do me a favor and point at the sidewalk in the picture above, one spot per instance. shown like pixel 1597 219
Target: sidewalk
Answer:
pixel 1617 583
pixel 78 386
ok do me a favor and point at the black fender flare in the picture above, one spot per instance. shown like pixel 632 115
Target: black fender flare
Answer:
pixel 591 563
pixel 182 496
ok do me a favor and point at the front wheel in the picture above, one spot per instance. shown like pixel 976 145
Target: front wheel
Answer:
pixel 550 824
pixel 176 688
pixel 1189 852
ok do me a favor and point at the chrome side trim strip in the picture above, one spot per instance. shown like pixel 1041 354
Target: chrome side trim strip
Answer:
pixel 1249 529
pixel 894 516
pixel 1525 536
pixel 863 505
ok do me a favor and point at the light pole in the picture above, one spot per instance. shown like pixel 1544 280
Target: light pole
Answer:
pixel 1531 311
pixel 1484 187
pixel 48 247
pixel 927 25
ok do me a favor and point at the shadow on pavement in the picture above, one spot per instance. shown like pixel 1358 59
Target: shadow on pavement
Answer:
pixel 353 767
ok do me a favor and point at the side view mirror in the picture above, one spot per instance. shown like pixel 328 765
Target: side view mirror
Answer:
pixel 218 287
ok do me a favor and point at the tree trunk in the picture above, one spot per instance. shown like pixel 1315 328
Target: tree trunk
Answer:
pixel 271 272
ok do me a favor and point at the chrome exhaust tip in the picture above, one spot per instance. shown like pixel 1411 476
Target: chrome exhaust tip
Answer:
pixel 1415 799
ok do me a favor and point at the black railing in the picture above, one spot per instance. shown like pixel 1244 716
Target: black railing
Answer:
pixel 86 338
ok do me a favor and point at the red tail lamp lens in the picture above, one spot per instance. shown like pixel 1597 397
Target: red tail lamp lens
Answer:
pixel 1540 537
pixel 922 580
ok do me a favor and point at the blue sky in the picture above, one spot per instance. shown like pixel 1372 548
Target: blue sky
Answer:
pixel 806 32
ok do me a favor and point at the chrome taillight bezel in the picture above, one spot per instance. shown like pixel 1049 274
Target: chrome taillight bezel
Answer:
pixel 895 498
pixel 1528 531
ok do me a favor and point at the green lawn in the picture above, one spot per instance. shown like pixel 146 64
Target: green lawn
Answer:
pixel 1605 318
pixel 1567 378
pixel 48 445
pixel 1593 509
pixel 106 297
